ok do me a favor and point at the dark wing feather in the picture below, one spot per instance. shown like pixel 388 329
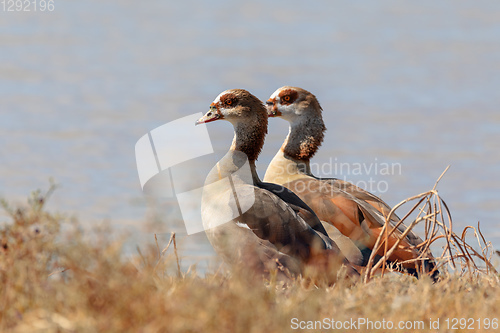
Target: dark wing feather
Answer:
pixel 354 212
pixel 377 209
pixel 271 219
pixel 297 204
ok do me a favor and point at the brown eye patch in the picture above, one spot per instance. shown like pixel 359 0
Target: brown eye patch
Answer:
pixel 228 100
pixel 288 96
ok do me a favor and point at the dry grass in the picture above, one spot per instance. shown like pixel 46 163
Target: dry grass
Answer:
pixel 53 278
pixel 457 251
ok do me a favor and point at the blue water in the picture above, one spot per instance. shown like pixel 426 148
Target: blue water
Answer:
pixel 400 82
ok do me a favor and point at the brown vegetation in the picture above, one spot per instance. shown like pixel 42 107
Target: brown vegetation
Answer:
pixel 55 278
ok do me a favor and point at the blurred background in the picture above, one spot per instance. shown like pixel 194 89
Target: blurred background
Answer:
pixel 402 83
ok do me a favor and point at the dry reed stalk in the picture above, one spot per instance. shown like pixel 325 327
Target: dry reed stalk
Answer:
pixel 438 225
pixel 176 256
pixel 160 254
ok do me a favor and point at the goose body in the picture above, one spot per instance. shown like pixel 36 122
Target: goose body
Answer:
pixel 261 227
pixel 353 211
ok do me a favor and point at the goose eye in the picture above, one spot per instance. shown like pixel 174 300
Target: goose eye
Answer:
pixel 286 98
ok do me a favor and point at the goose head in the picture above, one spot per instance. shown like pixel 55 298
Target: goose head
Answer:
pixel 293 104
pixel 235 106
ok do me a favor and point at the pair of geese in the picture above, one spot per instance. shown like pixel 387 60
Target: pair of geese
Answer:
pixel 293 223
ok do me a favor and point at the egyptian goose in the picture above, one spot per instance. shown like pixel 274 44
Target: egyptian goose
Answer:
pixel 355 212
pixel 258 226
